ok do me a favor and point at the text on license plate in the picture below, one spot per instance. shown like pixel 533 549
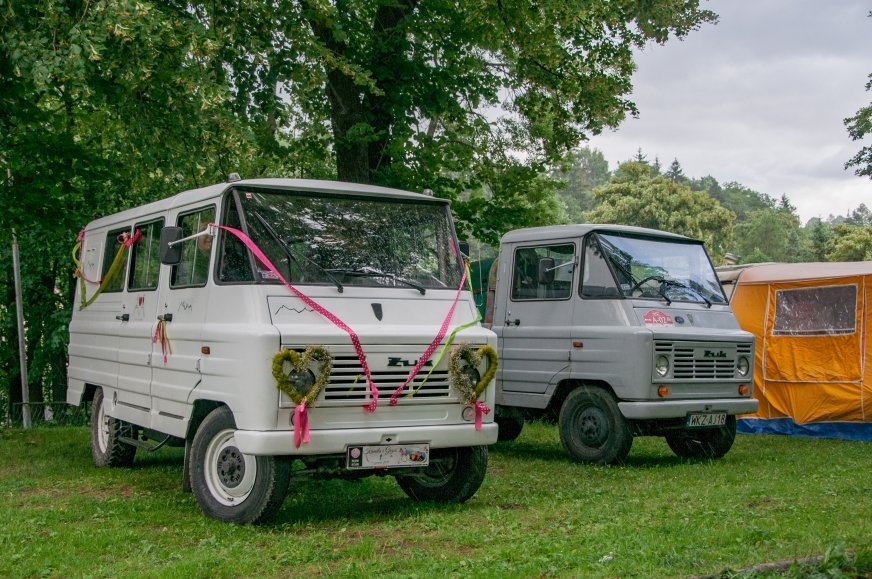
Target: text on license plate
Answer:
pixel 698 419
pixel 387 455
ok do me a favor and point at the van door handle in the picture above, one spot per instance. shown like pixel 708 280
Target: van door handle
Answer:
pixel 516 322
pixel 123 317
pixel 165 318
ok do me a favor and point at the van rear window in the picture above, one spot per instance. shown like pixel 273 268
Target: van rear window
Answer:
pixel 118 274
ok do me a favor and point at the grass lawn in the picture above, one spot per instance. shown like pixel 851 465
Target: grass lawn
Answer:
pixel 537 514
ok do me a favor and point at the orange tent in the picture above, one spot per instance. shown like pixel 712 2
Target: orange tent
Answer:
pixel 810 320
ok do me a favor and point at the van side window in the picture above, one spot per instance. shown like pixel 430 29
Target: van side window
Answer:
pixel 526 282
pixel 145 261
pixel 193 270
pixel 111 250
pixel 233 262
pixel 596 277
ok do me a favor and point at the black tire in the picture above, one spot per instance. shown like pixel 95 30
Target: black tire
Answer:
pixel 703 443
pixel 107 449
pixel 453 475
pixel 231 486
pixel 510 423
pixel 592 428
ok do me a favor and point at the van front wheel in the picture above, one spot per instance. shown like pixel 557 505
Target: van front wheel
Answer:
pixel 703 443
pixel 107 448
pixel 453 475
pixel 229 485
pixel 592 428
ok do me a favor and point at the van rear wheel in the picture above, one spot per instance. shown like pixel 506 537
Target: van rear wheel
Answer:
pixel 453 475
pixel 703 443
pixel 510 422
pixel 592 428
pixel 107 448
pixel 229 485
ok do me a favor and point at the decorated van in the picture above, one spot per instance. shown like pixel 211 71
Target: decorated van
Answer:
pixel 618 332
pixel 282 330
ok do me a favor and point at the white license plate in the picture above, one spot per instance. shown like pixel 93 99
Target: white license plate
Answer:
pixel 701 419
pixel 387 456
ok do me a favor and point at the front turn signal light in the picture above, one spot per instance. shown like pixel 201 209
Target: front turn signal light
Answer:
pixel 662 391
pixel 743 390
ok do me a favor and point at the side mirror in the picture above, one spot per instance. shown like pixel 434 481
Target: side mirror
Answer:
pixel 546 270
pixel 464 248
pixel 170 255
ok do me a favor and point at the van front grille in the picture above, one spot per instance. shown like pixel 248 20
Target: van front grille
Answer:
pixel 389 367
pixel 702 360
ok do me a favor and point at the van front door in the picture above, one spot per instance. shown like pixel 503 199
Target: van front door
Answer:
pixel 180 316
pixel 535 334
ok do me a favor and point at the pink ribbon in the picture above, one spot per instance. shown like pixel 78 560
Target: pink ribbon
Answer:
pixel 433 345
pixel 315 306
pixel 160 333
pixel 301 425
pixel 361 356
pixel 480 410
pixel 127 240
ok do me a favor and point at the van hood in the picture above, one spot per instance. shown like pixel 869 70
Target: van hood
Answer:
pixel 660 316
pixel 413 320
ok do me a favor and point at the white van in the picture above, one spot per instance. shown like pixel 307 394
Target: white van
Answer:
pixel 618 332
pixel 186 343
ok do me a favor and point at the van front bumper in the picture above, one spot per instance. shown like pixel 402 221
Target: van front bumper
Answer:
pixel 281 442
pixel 680 408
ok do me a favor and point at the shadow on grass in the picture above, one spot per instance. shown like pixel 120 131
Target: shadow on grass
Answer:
pixel 523 450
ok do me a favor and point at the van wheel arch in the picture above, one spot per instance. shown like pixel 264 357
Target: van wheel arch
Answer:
pixel 201 410
pixel 565 387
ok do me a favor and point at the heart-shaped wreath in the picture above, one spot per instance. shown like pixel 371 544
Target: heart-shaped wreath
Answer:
pixel 301 363
pixel 463 356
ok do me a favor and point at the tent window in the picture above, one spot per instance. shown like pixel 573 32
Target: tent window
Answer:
pixel 816 311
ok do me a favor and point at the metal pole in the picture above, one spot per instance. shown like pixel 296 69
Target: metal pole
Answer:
pixel 22 349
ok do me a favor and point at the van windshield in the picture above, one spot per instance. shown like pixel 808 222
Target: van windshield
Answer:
pixel 319 238
pixel 663 269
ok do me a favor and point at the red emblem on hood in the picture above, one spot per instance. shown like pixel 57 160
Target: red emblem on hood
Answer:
pixel 657 318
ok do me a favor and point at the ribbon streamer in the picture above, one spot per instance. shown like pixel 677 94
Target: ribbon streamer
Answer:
pixel 301 425
pixel 480 410
pixel 433 345
pixel 450 339
pixel 358 348
pixel 160 333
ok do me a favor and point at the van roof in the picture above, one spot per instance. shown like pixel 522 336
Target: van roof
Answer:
pixel 193 196
pixel 579 229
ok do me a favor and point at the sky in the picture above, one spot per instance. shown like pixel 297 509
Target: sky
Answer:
pixel 759 98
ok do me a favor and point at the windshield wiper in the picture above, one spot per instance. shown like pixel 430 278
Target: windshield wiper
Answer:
pixel 672 282
pixel 291 257
pixel 367 271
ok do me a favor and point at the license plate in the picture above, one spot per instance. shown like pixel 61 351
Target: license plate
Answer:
pixel 703 419
pixel 387 456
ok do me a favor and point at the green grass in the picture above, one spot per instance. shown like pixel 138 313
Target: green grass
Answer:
pixel 770 499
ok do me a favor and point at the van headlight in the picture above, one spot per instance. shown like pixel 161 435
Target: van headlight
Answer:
pixel 743 366
pixel 661 365
pixel 302 381
pixel 472 374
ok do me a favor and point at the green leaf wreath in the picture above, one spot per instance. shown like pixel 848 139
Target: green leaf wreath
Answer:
pixel 301 363
pixel 462 356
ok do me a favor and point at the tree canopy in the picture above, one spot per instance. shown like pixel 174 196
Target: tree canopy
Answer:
pixel 637 196
pixel 860 126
